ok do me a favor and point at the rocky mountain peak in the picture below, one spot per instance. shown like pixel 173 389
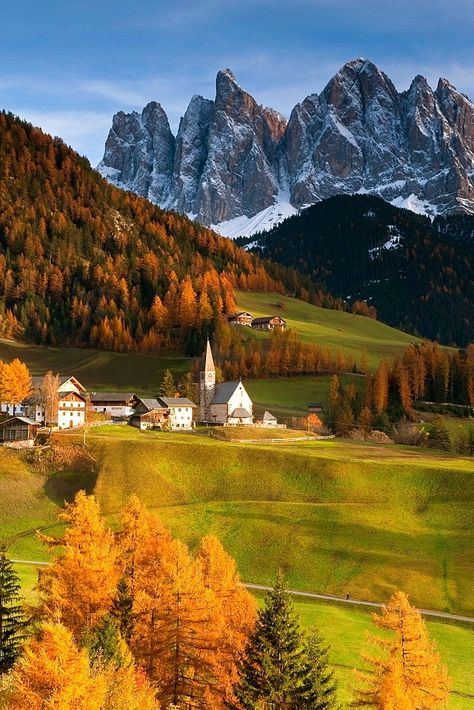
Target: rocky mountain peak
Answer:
pixel 233 159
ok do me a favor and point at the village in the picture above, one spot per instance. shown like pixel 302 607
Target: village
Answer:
pixel 63 403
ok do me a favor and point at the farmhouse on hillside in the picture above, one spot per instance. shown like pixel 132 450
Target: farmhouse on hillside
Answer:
pixel 269 323
pixel 241 318
pixel 18 431
pixel 227 403
pixel 69 406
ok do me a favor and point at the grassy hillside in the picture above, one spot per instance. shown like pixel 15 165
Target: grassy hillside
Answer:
pixel 97 369
pixel 337 517
pixel 353 334
pixel 346 629
pixel 289 396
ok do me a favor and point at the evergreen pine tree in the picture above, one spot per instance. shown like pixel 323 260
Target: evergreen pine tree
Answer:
pixel 104 643
pixel 271 670
pixel 12 620
pixel 122 608
pixel 439 436
pixel 168 386
pixel 319 685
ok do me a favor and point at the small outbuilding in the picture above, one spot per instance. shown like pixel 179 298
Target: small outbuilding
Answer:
pixel 315 407
pixel 267 420
pixel 18 431
pixel 149 414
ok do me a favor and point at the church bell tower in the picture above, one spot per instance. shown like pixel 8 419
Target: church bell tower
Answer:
pixel 207 384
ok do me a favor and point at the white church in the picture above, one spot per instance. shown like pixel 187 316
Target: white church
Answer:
pixel 227 403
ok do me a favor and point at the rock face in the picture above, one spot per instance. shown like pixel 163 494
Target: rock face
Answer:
pixel 233 158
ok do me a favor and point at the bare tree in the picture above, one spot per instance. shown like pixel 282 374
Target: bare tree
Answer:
pixel 49 398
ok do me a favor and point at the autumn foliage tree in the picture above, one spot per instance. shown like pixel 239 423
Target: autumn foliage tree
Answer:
pixel 80 585
pixel 15 382
pixel 53 673
pixel 409 676
pixel 234 608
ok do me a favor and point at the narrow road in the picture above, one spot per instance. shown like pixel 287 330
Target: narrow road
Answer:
pixel 360 602
pixel 314 595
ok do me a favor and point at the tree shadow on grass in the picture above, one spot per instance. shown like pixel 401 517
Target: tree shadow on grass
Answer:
pixel 62 487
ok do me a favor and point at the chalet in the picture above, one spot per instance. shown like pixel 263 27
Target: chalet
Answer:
pixel 70 407
pixel 118 405
pixel 149 414
pixel 18 431
pixel 269 323
pixel 241 318
pixel 180 412
pixel 226 403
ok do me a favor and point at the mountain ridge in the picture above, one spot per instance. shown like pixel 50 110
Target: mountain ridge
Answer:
pixel 233 159
pixel 418 273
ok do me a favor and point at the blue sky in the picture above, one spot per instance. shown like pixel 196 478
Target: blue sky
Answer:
pixel 68 65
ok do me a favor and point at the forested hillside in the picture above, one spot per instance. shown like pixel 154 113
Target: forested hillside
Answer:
pixel 418 274
pixel 84 263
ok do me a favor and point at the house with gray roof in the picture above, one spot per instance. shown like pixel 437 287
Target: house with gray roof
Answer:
pixel 171 413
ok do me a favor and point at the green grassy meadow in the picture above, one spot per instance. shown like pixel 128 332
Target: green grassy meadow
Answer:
pixel 353 334
pixel 289 396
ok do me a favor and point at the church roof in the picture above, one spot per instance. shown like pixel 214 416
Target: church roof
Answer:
pixel 208 365
pixel 224 392
pixel 240 413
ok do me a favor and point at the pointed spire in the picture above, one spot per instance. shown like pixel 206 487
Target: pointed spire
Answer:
pixel 208 359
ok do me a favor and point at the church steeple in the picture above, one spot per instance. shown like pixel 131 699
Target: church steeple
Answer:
pixel 207 384
pixel 208 359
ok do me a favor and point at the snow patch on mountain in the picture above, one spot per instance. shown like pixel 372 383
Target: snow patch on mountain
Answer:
pixel 414 204
pixel 263 221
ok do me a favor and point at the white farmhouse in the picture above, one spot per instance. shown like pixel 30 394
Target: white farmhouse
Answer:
pixel 180 412
pixel 71 403
pixel 226 403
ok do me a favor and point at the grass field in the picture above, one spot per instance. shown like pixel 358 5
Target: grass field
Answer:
pixel 335 330
pixel 289 396
pixel 346 629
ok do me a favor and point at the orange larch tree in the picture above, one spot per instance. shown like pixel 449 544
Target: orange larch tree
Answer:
pixel 53 673
pixel 410 676
pixel 235 609
pixel 80 586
